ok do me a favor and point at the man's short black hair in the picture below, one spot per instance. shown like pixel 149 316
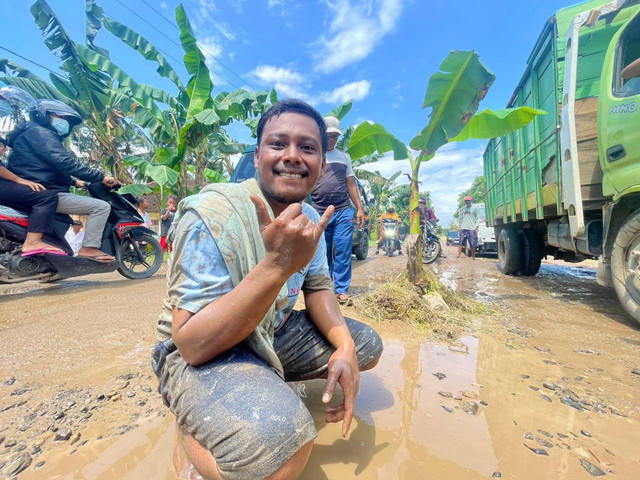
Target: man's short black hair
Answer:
pixel 293 105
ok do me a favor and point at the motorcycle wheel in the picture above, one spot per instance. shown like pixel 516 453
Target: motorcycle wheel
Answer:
pixel 432 252
pixel 131 264
pixel 388 248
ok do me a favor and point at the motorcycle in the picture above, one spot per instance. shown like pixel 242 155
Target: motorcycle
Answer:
pixel 431 248
pixel 389 236
pixel 137 252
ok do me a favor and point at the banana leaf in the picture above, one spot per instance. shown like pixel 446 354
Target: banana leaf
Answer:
pixel 341 110
pixel 369 138
pixel 343 143
pixel 208 117
pixel 145 48
pixel 91 86
pixel 214 176
pixel 162 175
pixel 15 69
pixel 41 89
pixel 273 96
pixel 453 93
pixel 496 123
pixel 136 189
pixel 94 15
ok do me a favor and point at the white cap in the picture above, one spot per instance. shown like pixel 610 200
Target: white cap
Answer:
pixel 333 125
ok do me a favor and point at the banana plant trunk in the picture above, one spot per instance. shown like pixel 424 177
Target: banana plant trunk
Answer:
pixel 414 243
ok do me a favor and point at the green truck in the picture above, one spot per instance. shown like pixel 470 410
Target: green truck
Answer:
pixel 568 184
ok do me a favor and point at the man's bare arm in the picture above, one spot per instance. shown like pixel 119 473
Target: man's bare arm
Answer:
pixel 355 198
pixel 228 320
pixel 632 70
pixel 324 312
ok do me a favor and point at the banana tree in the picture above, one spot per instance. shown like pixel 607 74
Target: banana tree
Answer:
pixel 90 92
pixel 453 94
pixel 194 121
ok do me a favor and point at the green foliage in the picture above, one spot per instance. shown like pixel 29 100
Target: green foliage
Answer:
pixel 369 138
pixel 341 111
pixel 453 94
pixel 496 123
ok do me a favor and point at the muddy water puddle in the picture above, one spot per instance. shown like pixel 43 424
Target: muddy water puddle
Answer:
pixel 432 411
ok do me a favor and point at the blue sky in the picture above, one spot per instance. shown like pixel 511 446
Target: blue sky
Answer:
pixel 378 52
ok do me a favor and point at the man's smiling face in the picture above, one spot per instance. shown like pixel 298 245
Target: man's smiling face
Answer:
pixel 289 159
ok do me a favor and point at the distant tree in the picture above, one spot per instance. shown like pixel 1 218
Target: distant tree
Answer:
pixel 476 191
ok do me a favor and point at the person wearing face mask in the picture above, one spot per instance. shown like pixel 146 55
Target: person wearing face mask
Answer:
pixel 21 194
pixel 39 156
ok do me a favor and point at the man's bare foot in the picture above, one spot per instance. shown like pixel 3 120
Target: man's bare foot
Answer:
pixel 95 254
pixel 39 245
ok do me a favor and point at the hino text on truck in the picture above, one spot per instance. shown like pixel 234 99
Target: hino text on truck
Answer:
pixel 568 184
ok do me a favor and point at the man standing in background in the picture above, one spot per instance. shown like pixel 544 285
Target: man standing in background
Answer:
pixel 468 219
pixel 336 187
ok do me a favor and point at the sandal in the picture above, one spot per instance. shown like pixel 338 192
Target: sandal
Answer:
pixel 344 299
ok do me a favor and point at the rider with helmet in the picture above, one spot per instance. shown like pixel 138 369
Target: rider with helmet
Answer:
pixel 389 214
pixel 19 193
pixel 426 212
pixel 39 156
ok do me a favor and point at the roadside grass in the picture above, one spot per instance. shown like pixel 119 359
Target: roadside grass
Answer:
pixel 399 300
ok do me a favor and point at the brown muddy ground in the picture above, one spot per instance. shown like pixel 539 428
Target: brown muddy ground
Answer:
pixel 551 371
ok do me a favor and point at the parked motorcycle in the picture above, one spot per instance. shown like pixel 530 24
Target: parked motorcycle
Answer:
pixel 389 236
pixel 137 251
pixel 431 248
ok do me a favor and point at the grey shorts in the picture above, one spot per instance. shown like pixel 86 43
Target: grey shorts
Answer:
pixel 238 407
pixel 469 236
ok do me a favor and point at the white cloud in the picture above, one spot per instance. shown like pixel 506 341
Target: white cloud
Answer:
pixel 450 172
pixel 286 82
pixel 237 5
pixel 224 29
pixel 273 3
pixel 353 90
pixel 207 7
pixel 356 28
pixel 164 5
pixel 210 49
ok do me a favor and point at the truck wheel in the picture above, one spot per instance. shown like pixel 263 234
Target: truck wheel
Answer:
pixel 625 265
pixel 531 252
pixel 362 249
pixel 509 251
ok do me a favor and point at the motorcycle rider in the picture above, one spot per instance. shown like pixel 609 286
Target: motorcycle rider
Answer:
pixel 389 214
pixel 426 212
pixel 22 194
pixel 39 156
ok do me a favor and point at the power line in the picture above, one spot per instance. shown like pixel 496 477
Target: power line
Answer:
pixel 168 37
pixel 170 22
pixel 34 63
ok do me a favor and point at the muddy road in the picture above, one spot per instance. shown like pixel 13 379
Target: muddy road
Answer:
pixel 544 388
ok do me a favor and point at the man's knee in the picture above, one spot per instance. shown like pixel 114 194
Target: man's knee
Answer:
pixel 371 364
pixel 103 208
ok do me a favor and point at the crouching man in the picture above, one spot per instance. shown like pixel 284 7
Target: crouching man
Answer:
pixel 229 337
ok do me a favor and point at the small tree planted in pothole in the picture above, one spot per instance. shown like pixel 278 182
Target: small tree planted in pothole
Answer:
pixel 453 94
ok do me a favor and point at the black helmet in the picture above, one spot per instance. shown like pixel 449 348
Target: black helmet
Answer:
pixel 44 107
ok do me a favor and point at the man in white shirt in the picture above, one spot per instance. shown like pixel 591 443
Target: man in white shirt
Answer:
pixel 338 187
pixel 74 237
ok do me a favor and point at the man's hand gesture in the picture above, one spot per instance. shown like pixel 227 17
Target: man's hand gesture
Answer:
pixel 290 239
pixel 343 369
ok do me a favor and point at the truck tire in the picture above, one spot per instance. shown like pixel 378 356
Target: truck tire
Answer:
pixel 362 249
pixel 531 252
pixel 625 265
pixel 509 251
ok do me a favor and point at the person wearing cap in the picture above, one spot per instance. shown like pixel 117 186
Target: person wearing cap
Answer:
pixel 469 223
pixel 338 187
pixel 74 237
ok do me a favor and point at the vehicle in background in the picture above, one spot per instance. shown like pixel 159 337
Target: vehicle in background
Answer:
pixel 390 240
pixel 360 243
pixel 486 235
pixel 453 238
pixel 568 184
pixel 431 248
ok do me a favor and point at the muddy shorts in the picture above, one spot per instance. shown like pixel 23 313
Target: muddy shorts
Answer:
pixel 469 235
pixel 238 407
